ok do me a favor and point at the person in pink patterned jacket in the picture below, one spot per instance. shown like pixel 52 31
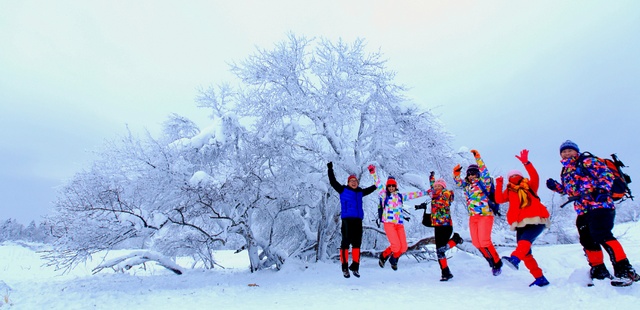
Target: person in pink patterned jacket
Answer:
pixel 391 217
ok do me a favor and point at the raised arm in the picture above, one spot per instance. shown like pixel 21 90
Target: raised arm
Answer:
pixel 376 180
pixel 456 175
pixel 482 169
pixel 501 196
pixel 332 179
pixel 370 189
pixel 432 179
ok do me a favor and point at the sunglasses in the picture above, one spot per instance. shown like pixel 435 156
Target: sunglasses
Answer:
pixel 391 186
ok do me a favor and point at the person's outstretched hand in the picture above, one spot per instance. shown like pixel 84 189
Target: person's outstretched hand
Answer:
pixel 475 153
pixel 524 156
pixel 457 169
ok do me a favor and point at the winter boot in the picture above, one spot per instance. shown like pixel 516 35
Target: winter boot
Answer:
pixel 542 281
pixel 457 239
pixel 446 275
pixel 355 268
pixel 382 260
pixel 345 270
pixel 599 272
pixel 497 268
pixel 511 261
pixel 394 262
pixel 623 269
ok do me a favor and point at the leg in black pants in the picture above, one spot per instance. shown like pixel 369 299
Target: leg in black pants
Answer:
pixel 351 236
pixel 600 223
pixel 443 243
pixel 591 248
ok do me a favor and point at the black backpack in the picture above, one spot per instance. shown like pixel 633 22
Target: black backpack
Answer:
pixel 620 187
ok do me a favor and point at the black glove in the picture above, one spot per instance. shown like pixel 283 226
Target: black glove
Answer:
pixel 432 173
pixel 551 184
pixel 495 208
pixel 600 195
pixel 497 213
pixel 330 165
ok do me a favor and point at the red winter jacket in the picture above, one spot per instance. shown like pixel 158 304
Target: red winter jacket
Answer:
pixel 534 213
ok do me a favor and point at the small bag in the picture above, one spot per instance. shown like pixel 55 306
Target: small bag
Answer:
pixel 426 219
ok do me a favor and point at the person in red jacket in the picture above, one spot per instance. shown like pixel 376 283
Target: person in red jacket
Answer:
pixel 526 215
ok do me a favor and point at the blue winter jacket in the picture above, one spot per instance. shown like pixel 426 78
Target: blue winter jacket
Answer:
pixel 350 198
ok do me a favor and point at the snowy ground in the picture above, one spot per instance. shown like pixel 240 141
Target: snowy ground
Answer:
pixel 25 284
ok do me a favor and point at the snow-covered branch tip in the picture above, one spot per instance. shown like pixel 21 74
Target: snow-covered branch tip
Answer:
pixel 136 258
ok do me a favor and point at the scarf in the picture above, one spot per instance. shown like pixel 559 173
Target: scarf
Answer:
pixel 522 190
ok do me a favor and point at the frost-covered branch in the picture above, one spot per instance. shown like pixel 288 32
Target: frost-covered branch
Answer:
pixel 126 262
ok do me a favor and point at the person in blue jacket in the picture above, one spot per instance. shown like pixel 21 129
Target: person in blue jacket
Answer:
pixel 351 214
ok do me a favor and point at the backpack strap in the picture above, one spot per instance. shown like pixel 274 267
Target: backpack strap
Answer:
pixel 495 208
pixel 484 189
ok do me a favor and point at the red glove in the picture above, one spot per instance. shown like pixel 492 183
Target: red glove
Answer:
pixel 524 156
pixel 456 170
pixel 475 153
pixel 372 169
pixel 500 180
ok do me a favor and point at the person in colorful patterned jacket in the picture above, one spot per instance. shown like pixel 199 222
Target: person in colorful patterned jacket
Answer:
pixel 588 185
pixel 526 215
pixel 393 202
pixel 441 199
pixel 475 185
pixel 352 214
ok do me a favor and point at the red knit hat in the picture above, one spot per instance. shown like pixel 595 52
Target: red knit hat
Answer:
pixel 353 176
pixel 392 181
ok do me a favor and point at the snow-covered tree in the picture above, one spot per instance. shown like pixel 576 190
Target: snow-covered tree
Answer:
pixel 314 101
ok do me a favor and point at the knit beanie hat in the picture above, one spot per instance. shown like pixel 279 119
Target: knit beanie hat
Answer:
pixel 514 172
pixel 440 182
pixel 392 181
pixel 569 145
pixel 473 169
pixel 353 176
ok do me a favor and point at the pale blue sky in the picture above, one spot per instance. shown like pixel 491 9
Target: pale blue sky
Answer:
pixel 502 75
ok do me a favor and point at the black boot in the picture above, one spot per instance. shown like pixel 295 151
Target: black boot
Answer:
pixel 382 260
pixel 623 269
pixel 345 270
pixel 599 272
pixel 446 274
pixel 457 239
pixel 355 268
pixel 496 270
pixel 394 262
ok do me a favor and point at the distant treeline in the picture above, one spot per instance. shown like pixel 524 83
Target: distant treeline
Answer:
pixel 12 230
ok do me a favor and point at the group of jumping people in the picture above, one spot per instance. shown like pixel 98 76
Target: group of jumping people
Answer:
pixel 526 215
